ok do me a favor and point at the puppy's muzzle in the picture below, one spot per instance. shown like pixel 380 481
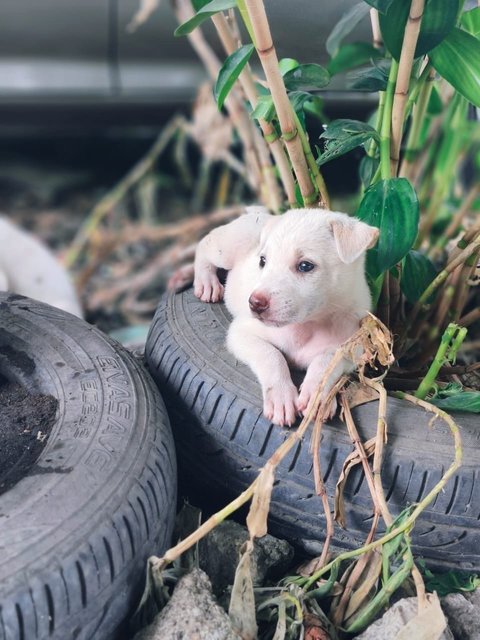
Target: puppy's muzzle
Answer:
pixel 259 303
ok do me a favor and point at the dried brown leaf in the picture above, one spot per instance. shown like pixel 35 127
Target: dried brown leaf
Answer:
pixel 359 393
pixel 242 600
pixel 281 628
pixel 371 343
pixel 428 624
pixel 258 514
pixel 366 583
pixel 315 628
pixel 209 128
pixel 350 461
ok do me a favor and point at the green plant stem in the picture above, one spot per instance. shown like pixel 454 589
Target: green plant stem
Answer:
pixel 378 124
pixel 410 521
pixel 425 85
pixel 426 78
pixel 246 20
pixel 385 130
pixel 382 597
pixel 445 161
pixel 317 176
pixel 441 357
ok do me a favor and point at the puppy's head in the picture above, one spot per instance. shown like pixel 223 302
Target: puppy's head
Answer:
pixel 308 262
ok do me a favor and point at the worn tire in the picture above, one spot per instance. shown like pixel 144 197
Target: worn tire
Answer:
pixel 76 531
pixel 215 407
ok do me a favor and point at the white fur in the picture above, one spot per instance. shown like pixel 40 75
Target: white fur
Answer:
pixel 309 314
pixel 29 268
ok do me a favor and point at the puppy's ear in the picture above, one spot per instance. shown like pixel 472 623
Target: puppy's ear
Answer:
pixel 352 237
pixel 268 228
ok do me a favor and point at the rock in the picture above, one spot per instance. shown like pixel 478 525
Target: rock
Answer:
pixel 395 619
pixel 219 553
pixel 192 613
pixel 463 615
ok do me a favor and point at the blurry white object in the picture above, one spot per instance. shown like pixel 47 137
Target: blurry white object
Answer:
pixel 29 268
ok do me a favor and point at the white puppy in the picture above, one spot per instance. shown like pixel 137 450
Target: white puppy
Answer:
pixel 28 267
pixel 296 289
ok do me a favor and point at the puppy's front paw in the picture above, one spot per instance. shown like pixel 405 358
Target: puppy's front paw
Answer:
pixel 308 392
pixel 280 403
pixel 207 287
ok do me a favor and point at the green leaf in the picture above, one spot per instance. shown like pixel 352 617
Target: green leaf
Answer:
pixel 451 582
pixel 370 79
pixel 314 107
pixel 438 20
pixel 464 401
pixel 392 206
pixel 287 64
pixel 298 99
pixel 306 76
pixel 199 4
pixel 457 59
pixel 231 69
pixel 392 546
pixel 418 272
pixel 435 104
pixel 352 55
pixel 367 169
pixel 344 26
pixel 381 5
pixel 264 109
pixel 470 21
pixel 208 10
pixel 344 135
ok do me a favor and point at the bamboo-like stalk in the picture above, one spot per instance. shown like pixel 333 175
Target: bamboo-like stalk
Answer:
pixel 407 168
pixel 385 129
pixel 240 120
pixel 377 39
pixel 412 30
pixel 457 219
pixel 440 359
pixel 463 290
pixel 317 176
pixel 248 85
pixel 268 57
pixel 377 42
pixel 440 279
pixel 470 317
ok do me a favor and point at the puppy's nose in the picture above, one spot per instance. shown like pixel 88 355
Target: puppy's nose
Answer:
pixel 258 302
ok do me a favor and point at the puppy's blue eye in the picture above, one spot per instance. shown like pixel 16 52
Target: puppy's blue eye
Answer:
pixel 305 266
pixel 261 264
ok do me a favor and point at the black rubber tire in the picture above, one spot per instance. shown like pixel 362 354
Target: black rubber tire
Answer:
pixel 76 531
pixel 215 408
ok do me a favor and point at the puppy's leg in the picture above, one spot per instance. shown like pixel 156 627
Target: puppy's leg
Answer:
pixel 222 248
pixel 315 375
pixel 269 365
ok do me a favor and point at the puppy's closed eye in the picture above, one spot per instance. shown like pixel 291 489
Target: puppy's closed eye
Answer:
pixel 305 266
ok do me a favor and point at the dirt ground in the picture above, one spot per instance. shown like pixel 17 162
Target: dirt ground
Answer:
pixel 27 420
